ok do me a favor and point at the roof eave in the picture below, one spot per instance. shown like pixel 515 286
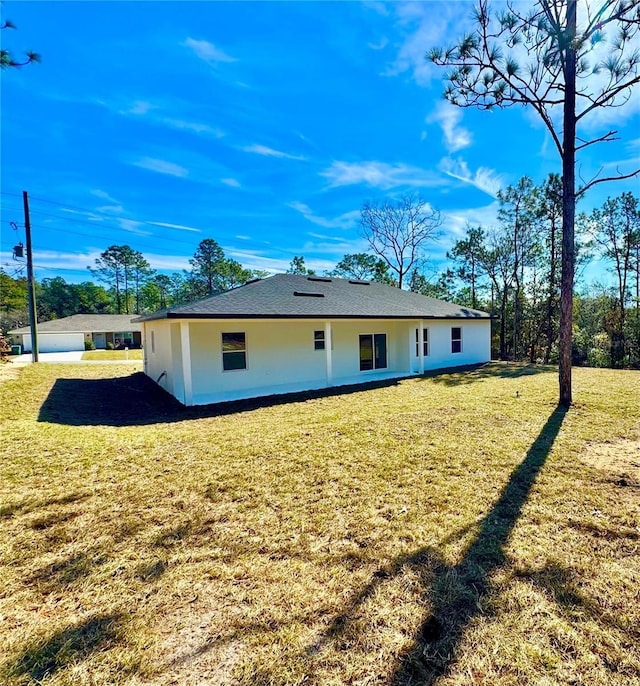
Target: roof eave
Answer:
pixel 239 315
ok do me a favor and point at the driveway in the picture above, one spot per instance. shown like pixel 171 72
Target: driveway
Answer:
pixel 72 356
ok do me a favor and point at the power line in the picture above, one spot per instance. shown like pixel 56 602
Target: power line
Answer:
pixel 97 235
pixel 114 221
pixel 16 272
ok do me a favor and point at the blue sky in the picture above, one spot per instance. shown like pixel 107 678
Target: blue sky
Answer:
pixel 262 125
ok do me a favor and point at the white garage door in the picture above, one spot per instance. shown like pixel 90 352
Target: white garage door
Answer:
pixel 56 342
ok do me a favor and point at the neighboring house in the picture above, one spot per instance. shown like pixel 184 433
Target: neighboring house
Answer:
pixel 70 333
pixel 294 333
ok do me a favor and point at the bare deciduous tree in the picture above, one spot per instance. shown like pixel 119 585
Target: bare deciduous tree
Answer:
pixel 397 232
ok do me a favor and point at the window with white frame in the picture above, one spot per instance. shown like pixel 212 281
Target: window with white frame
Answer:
pixel 456 339
pixel 234 351
pixel 425 342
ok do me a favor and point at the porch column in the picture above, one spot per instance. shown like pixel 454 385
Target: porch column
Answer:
pixel 145 356
pixel 412 347
pixel 185 344
pixel 421 347
pixel 328 345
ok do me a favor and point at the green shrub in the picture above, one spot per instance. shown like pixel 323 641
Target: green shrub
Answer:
pixel 109 345
pixel 89 345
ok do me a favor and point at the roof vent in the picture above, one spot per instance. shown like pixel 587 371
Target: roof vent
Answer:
pixel 303 294
pixel 319 278
pixel 357 282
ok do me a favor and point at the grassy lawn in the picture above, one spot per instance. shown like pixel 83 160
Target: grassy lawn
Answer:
pixel 452 529
pixel 134 354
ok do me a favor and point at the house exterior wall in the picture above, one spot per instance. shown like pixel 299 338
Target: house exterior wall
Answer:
pixel 346 338
pixel 476 343
pixel 281 356
pixel 158 354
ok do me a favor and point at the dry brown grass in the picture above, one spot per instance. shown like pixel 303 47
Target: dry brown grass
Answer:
pixel 432 531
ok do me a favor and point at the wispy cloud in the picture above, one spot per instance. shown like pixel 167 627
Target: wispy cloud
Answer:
pixel 420 26
pixel 271 152
pixel 448 117
pixel 256 259
pixel 193 126
pixel 378 7
pixel 89 215
pixel 380 45
pixel 379 175
pixel 180 227
pixel 110 209
pixel 343 221
pixel 161 167
pixel 171 263
pixel 55 259
pixel 103 195
pixel 233 183
pixel 79 261
pixel 208 52
pixel 455 222
pixel 138 107
pixel 153 113
pixel 134 226
pixel 634 146
pixel 484 179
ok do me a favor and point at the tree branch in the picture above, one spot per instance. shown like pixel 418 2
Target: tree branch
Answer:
pixel 608 137
pixel 596 181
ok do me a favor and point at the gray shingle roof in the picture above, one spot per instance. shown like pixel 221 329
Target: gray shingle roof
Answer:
pixel 302 297
pixel 85 323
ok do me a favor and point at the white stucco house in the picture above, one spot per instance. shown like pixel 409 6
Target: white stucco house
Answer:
pixel 292 333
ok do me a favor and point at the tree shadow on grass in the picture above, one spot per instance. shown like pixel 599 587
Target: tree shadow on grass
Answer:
pixel 29 505
pixel 563 584
pixel 457 591
pixel 56 576
pixel 458 376
pixel 66 647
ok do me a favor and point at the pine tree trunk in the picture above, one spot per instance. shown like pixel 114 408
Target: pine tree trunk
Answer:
pixel 503 326
pixel 568 208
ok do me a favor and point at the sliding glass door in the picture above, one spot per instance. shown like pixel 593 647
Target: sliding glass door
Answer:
pixel 373 351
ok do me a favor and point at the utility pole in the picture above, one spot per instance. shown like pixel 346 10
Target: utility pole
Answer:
pixel 32 288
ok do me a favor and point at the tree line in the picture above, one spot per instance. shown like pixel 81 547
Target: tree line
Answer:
pixel 126 285
pixel 511 270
